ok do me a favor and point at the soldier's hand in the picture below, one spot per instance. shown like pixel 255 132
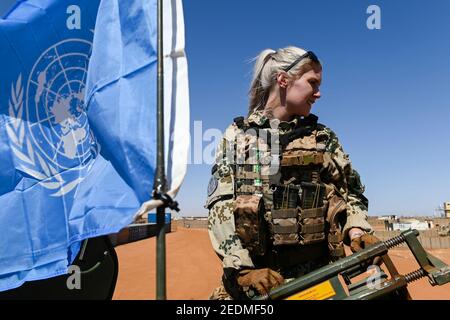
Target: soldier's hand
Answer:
pixel 263 280
pixel 361 242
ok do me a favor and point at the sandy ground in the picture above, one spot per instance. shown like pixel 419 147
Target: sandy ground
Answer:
pixel 193 269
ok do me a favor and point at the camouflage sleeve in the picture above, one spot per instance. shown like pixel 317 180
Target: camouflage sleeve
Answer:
pixel 348 183
pixel 220 203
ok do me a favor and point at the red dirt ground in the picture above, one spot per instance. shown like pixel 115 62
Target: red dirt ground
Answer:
pixel 193 269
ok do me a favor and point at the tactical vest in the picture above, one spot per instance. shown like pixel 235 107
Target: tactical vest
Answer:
pixel 290 205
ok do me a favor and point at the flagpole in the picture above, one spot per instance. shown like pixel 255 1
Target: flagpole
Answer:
pixel 160 179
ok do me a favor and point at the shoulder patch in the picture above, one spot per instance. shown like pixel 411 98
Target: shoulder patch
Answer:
pixel 212 185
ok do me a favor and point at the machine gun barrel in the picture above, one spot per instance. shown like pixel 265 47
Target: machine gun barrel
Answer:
pixel 331 270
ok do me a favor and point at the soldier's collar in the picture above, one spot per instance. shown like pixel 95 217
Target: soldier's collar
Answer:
pixel 299 122
pixel 310 120
pixel 260 119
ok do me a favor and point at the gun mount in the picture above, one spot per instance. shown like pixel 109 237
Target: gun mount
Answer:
pixel 334 281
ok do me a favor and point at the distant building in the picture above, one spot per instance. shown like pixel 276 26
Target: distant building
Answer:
pixel 405 224
pixel 383 222
pixel 447 209
pixel 387 217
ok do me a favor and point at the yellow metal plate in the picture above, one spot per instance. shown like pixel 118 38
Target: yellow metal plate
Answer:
pixel 321 291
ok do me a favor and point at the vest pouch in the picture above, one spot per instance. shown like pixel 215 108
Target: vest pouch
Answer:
pixel 285 226
pixel 312 225
pixel 250 224
pixel 285 216
pixel 313 195
pixel 285 197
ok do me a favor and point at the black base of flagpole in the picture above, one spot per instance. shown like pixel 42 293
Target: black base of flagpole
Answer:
pixel 168 202
pixel 161 254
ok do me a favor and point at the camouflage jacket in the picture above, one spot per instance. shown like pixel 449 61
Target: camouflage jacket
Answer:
pixel 221 193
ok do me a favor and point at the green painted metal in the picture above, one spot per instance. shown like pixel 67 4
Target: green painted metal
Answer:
pixel 325 272
pixel 160 178
pixel 376 286
pixel 338 288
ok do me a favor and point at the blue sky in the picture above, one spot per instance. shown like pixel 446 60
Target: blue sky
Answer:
pixel 385 92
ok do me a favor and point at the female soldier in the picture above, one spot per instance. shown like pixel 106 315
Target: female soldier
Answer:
pixel 283 197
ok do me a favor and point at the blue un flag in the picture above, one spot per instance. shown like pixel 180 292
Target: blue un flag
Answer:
pixel 77 137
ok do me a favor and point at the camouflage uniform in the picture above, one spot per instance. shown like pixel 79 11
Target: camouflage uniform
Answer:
pixel 221 202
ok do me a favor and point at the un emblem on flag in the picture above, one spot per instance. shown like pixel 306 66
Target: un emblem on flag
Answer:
pixel 50 130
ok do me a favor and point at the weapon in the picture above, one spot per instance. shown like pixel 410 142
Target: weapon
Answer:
pixel 334 281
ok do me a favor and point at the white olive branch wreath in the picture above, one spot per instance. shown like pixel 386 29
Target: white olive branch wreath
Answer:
pixel 32 162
